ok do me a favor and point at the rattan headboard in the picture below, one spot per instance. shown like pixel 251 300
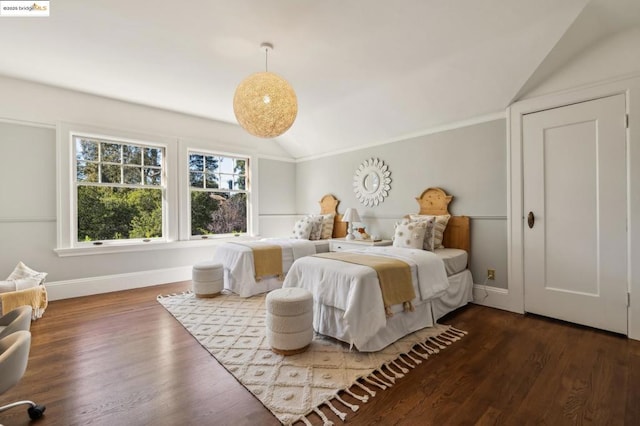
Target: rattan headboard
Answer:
pixel 434 201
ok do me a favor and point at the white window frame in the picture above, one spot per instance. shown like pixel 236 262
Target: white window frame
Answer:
pixel 247 190
pixel 212 148
pixel 121 166
pixel 177 217
pixel 66 185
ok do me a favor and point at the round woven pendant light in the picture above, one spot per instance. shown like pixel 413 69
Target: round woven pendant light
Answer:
pixel 265 105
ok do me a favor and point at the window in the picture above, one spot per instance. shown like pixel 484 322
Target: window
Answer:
pixel 219 192
pixel 119 190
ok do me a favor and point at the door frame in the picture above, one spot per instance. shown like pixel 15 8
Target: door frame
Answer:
pixel 630 87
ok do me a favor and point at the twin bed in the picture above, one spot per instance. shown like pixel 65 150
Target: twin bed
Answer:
pixel 349 304
pixel 245 277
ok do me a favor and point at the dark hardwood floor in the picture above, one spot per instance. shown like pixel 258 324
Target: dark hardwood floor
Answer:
pixel 122 359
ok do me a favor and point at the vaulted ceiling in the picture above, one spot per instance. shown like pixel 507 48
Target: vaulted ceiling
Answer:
pixel 365 71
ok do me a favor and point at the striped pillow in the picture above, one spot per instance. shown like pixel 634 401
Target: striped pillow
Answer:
pixel 427 244
pixel 316 229
pixel 439 226
pixel 327 226
pixel 437 232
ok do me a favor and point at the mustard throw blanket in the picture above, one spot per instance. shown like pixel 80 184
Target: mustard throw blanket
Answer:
pixel 394 277
pixel 267 259
pixel 36 297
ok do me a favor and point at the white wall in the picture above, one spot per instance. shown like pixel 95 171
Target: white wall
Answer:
pixel 614 57
pixel 29 116
pixel 38 103
pixel 467 162
pixel 277 202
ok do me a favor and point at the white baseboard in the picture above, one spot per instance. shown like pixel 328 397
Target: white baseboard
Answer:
pixel 493 297
pixel 482 295
pixel 57 290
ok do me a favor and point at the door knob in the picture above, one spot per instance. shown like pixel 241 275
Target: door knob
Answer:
pixel 531 220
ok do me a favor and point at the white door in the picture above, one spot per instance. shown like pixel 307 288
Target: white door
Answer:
pixel 575 249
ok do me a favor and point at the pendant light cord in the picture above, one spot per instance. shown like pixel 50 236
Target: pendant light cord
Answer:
pixel 267 47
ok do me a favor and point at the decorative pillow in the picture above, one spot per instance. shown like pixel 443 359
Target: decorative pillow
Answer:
pixel 327 225
pixel 439 225
pixel 316 227
pixel 428 235
pixel 23 271
pixel 409 234
pixel 302 228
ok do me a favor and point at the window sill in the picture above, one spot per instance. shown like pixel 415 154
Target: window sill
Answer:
pixel 141 247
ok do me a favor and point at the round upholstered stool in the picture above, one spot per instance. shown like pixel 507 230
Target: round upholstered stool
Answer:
pixel 289 320
pixel 207 279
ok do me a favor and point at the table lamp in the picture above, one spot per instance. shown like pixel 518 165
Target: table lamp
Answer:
pixel 350 216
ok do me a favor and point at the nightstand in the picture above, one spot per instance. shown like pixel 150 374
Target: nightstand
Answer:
pixel 340 244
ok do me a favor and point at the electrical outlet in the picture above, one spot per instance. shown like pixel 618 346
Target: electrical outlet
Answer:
pixel 491 274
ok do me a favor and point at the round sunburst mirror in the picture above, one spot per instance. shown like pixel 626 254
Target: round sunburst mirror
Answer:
pixel 372 182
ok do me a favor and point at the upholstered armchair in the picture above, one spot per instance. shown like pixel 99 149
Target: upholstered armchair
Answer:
pixel 17 319
pixel 14 356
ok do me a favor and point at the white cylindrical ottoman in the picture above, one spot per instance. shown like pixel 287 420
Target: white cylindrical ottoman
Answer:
pixel 207 279
pixel 289 320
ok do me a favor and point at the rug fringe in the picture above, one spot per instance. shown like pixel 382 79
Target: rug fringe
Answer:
pixel 401 368
pixel 384 382
pixel 363 398
pixel 325 420
pixel 421 355
pixel 462 332
pixel 391 379
pixel 416 360
pixel 353 407
pixel 425 348
pixel 364 388
pixel 430 350
pixel 337 412
pixel 395 373
pixel 442 340
pixel 451 335
pixel 407 363
pixel 373 382
pixel 435 342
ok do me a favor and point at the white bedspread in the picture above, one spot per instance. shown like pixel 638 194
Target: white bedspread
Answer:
pixel 355 290
pixel 239 273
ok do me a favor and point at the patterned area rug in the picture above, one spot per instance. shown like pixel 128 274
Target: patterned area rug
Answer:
pixel 232 329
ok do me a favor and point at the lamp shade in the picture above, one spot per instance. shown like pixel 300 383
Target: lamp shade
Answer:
pixel 351 215
pixel 265 105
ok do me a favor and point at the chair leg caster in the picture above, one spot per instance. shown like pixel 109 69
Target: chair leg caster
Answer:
pixel 36 411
